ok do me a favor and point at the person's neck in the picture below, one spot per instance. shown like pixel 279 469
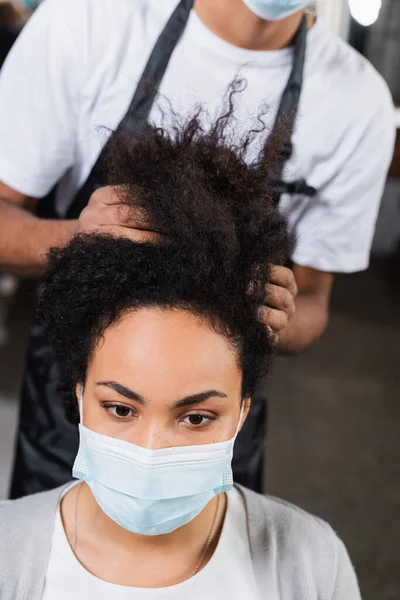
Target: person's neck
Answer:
pixel 159 560
pixel 232 21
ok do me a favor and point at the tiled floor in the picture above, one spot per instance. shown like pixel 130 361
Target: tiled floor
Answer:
pixel 334 438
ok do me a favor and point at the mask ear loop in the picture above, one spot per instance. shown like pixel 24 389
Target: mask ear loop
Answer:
pixel 81 406
pixel 239 422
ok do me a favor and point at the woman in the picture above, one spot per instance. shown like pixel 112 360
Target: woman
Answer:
pixel 161 348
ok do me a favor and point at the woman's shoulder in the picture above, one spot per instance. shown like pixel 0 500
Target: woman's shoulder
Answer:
pixel 22 519
pixel 285 516
pixel 301 547
pixel 29 505
pixel 27 522
pixel 281 516
pixel 26 528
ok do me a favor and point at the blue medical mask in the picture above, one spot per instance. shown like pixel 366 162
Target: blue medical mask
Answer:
pixel 274 10
pixel 152 492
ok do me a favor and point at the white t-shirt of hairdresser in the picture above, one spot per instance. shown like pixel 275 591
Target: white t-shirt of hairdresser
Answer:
pixel 74 69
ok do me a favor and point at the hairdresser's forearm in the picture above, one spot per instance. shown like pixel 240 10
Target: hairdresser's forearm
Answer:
pixel 306 326
pixel 25 239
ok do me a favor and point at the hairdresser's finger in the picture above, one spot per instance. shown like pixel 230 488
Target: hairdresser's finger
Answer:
pixel 273 335
pixel 107 195
pixel 280 298
pixel 109 202
pixel 275 319
pixel 284 277
pixel 106 208
pixel 122 215
pixel 95 215
pixel 136 235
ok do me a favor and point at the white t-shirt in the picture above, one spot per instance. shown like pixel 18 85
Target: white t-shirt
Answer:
pixel 227 576
pixel 74 70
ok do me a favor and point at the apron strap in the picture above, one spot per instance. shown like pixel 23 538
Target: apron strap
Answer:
pixel 153 73
pixel 291 95
pixel 287 111
pixel 142 101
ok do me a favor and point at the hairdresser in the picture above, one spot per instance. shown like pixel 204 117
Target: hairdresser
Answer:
pixel 85 67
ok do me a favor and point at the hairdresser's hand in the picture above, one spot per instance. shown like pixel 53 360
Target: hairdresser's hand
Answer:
pixel 107 213
pixel 280 300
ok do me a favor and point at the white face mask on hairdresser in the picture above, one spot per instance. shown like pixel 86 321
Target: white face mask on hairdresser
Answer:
pixel 152 492
pixel 274 10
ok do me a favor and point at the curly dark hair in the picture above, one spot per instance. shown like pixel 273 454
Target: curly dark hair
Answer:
pixel 222 231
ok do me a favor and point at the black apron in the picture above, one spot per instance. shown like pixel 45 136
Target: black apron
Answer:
pixel 47 443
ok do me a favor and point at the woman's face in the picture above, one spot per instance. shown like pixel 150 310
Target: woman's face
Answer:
pixel 161 378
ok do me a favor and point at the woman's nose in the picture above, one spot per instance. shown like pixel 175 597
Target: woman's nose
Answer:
pixel 152 435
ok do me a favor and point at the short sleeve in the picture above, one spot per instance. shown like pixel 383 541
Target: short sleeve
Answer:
pixel 346 584
pixel 336 228
pixel 40 88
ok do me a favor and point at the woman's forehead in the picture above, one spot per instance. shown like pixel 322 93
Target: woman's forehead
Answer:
pixel 169 347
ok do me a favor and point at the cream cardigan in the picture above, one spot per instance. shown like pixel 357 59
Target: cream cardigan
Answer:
pixel 295 555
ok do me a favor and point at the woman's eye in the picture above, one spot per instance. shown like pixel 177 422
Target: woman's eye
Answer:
pixel 120 411
pixel 197 420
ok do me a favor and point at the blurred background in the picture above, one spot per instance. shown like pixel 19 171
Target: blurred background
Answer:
pixel 334 432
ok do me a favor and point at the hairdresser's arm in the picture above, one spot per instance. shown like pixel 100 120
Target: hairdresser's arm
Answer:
pixel 25 239
pixel 301 311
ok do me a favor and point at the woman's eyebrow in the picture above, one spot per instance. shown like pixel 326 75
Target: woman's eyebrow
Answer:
pixel 187 401
pixel 123 391
pixel 198 398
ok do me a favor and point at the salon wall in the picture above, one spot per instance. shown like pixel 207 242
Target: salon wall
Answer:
pixel 380 43
pixel 335 13
pixel 382 47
